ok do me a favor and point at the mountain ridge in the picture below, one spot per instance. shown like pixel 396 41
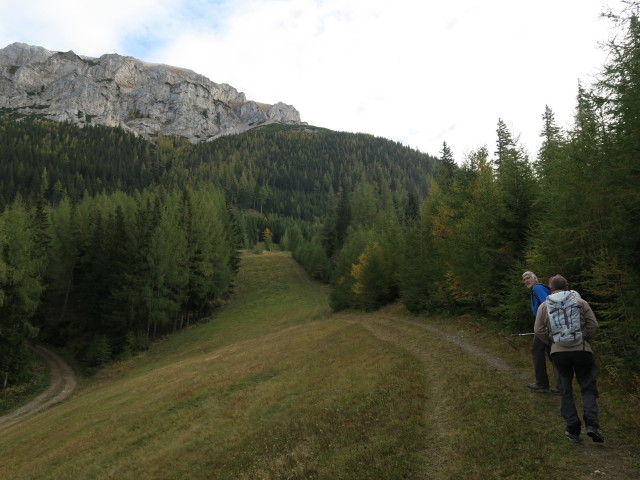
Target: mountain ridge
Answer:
pixel 148 99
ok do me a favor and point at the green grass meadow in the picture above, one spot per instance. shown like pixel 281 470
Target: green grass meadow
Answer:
pixel 269 388
pixel 274 386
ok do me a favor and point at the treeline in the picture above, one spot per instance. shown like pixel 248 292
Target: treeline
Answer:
pixel 575 210
pixel 288 171
pixel 108 240
pixel 293 171
pixel 77 161
pixel 104 276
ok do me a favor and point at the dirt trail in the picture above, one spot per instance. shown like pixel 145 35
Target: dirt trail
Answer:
pixel 63 382
pixel 614 460
pixel 493 361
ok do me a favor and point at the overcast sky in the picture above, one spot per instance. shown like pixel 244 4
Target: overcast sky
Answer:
pixel 415 71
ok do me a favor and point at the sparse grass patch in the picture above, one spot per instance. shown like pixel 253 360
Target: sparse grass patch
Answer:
pixel 490 427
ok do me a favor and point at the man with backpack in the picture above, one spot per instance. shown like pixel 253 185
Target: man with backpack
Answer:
pixel 539 349
pixel 565 322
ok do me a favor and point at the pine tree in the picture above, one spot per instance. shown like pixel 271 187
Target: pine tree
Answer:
pixel 505 144
pixel 470 250
pixel 614 210
pixel 619 90
pixel 21 286
pixel 335 226
pixel 516 189
pixel 447 164
pixel 552 141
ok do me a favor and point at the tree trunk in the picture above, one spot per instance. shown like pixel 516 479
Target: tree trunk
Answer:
pixel 66 297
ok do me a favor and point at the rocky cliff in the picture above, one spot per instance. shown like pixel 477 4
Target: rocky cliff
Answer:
pixel 148 99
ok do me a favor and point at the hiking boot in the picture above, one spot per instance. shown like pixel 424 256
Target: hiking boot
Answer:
pixel 554 390
pixel 572 438
pixel 540 388
pixel 595 434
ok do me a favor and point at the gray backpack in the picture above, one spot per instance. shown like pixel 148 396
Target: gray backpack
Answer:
pixel 564 319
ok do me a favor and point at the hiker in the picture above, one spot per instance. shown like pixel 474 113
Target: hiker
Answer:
pixel 576 294
pixel 566 322
pixel 539 350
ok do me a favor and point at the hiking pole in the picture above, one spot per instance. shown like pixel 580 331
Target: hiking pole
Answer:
pixel 515 344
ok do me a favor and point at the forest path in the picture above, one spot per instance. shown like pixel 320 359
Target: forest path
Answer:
pixel 612 460
pixel 63 382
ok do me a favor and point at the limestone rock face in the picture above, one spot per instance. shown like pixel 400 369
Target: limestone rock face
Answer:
pixel 147 99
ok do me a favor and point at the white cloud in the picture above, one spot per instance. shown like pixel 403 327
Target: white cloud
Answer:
pixel 84 27
pixel 417 72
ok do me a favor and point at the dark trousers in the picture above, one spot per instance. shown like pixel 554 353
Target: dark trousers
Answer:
pixel 539 354
pixel 581 363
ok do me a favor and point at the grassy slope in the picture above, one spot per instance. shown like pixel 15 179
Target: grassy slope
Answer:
pixel 483 423
pixel 276 387
pixel 267 388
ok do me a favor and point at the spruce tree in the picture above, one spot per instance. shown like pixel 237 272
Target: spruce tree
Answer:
pixel 21 286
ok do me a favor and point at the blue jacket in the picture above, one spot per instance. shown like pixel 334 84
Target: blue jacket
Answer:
pixel 539 294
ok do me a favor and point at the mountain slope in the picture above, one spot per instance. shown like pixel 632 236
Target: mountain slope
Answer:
pixel 288 170
pixel 147 99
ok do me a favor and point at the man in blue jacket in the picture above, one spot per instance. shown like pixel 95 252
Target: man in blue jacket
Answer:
pixel 539 349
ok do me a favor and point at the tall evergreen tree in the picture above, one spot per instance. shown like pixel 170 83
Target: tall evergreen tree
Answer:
pixel 336 223
pixel 505 144
pixel 21 286
pixel 552 141
pixel 571 232
pixel 516 188
pixel 471 272
pixel 614 273
pixel 619 89
pixel 447 164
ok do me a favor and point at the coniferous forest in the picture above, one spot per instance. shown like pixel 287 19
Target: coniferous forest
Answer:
pixel 108 241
